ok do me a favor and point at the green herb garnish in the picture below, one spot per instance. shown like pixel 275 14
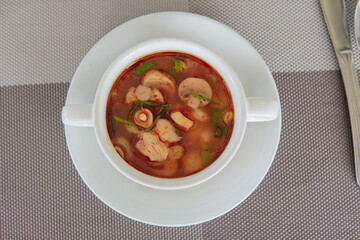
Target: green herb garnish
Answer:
pixel 216 117
pixel 213 78
pixel 144 67
pixel 178 65
pixel 114 93
pixel 138 102
pixel 218 131
pixel 161 112
pixel 134 109
pixel 177 131
pixel 124 121
pixel 206 99
pixel 152 124
pixel 221 131
pixel 205 154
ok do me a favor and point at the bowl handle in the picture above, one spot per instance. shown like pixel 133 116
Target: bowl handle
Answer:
pixel 78 115
pixel 262 109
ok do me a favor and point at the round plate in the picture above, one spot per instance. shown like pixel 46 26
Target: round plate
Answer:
pixel 211 198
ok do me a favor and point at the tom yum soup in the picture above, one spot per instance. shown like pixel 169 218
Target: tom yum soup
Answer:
pixel 170 115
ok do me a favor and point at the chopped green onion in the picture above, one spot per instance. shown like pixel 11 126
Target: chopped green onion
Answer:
pixel 114 93
pixel 144 67
pixel 124 121
pixel 218 131
pixel 206 99
pixel 178 65
pixel 177 131
pixel 138 102
pixel 205 154
pixel 152 124
pixel 216 117
pixel 134 109
pixel 160 114
pixel 213 78
pixel 161 110
pixel 219 128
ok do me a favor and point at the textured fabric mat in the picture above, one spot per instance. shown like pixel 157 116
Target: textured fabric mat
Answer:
pixel 39 34
pixel 289 35
pixel 309 192
pixel 42 196
pixel 55 35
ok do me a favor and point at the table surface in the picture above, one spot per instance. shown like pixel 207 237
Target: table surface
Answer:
pixel 310 190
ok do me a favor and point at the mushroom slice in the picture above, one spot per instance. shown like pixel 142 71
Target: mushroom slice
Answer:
pixel 143 93
pixel 151 146
pixel 195 85
pixel 157 79
pixel 176 152
pixel 181 120
pixel 193 102
pixel 228 117
pixel 199 114
pixel 166 131
pixel 143 117
pixel 131 96
pixel 156 96
pixel 125 145
pixel 120 151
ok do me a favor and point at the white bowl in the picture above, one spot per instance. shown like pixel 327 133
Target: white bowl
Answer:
pixel 176 45
pixel 94 115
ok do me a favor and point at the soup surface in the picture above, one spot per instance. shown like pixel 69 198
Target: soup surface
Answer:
pixel 170 114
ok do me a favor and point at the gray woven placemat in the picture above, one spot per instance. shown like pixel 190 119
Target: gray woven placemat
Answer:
pixel 309 192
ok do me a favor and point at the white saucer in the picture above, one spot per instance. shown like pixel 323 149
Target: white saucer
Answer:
pixel 205 201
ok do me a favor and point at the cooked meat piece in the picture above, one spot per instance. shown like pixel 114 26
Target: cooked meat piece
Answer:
pixel 181 120
pixel 151 146
pixel 166 131
pixel 131 96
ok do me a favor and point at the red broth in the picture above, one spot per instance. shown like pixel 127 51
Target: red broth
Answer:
pixel 187 133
